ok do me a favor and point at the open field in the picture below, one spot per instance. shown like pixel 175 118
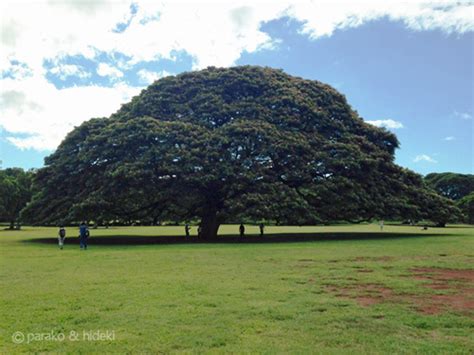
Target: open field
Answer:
pixel 338 289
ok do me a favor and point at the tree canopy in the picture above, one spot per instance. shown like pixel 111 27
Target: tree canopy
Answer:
pixel 221 145
pixel 451 185
pixel 457 187
pixel 15 193
pixel 466 205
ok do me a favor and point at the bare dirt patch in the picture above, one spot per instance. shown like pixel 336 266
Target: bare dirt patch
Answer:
pixel 440 303
pixel 364 294
pixel 444 275
pixel 459 283
pixel 458 286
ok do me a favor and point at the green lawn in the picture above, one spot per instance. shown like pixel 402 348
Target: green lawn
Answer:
pixel 344 289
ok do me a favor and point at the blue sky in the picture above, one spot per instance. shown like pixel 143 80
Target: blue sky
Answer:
pixel 406 67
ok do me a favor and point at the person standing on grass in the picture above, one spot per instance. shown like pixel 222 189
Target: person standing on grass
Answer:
pixel 262 228
pixel 241 230
pixel 61 236
pixel 83 235
pixel 187 228
pixel 381 225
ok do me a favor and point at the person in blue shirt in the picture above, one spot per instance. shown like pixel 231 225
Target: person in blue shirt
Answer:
pixel 83 235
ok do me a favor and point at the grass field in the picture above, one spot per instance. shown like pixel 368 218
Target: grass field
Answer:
pixel 340 289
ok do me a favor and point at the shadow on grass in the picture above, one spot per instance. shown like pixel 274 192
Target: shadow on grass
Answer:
pixel 268 238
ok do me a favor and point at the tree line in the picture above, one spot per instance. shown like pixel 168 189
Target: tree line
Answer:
pixel 16 191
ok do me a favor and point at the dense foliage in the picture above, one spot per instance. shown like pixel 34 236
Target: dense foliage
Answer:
pixel 457 187
pixel 226 144
pixel 466 205
pixel 451 185
pixel 15 193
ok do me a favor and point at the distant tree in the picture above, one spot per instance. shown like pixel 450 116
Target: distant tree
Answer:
pixel 466 205
pixel 15 193
pixel 457 187
pixel 451 185
pixel 226 144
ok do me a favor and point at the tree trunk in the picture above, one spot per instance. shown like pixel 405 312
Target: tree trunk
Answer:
pixel 12 225
pixel 209 225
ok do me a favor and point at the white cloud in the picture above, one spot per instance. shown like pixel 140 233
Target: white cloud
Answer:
pixel 323 18
pixel 54 29
pixel 462 115
pixel 424 158
pixel 212 33
pixel 42 115
pixel 104 69
pixel 449 138
pixel 17 71
pixel 38 142
pixel 147 77
pixel 389 123
pixel 65 70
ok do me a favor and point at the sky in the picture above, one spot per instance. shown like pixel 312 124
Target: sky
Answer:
pixel 405 66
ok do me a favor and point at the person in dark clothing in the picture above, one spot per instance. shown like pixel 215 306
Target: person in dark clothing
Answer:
pixel 61 237
pixel 187 228
pixel 262 228
pixel 83 235
pixel 241 230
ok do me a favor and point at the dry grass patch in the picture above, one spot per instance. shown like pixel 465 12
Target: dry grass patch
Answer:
pixel 457 287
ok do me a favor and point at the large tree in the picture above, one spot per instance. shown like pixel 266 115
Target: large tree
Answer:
pixel 15 193
pixel 226 144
